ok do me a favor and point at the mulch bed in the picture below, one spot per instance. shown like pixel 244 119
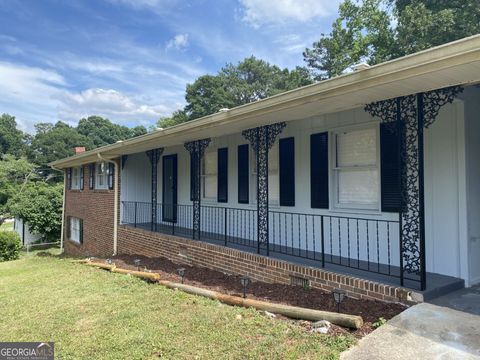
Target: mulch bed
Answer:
pixel 369 310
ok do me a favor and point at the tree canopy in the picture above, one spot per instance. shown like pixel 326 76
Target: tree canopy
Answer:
pixel 375 31
pixel 250 80
pixel 12 140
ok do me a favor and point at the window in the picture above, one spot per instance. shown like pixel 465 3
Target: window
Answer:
pixel 76 175
pixel 76 230
pixel 101 176
pixel 355 169
pixel 209 175
pixel 273 179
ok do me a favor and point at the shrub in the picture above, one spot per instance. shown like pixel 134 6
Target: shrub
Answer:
pixel 9 245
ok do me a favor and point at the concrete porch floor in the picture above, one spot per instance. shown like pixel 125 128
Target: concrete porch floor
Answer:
pixel 466 300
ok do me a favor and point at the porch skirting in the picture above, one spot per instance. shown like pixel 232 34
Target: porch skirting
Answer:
pixel 133 241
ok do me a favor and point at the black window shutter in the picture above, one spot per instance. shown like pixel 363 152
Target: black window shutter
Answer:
pixel 80 221
pixel 111 172
pixel 319 170
pixel 193 171
pixel 69 178
pixel 222 173
pixel 82 176
pixel 390 168
pixel 69 227
pixel 287 171
pixel 91 181
pixel 243 174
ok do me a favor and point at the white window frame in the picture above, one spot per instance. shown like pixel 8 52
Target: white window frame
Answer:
pixel 276 171
pixel 210 176
pixel 76 172
pixel 101 176
pixel 334 171
pixel 75 230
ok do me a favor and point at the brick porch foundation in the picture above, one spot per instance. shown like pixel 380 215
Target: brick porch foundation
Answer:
pixel 133 241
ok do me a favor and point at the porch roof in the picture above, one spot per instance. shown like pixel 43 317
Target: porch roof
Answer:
pixel 455 63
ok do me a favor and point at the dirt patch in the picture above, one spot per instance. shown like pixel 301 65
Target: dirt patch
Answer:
pixel 369 310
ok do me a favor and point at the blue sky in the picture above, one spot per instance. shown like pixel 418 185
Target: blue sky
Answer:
pixel 130 60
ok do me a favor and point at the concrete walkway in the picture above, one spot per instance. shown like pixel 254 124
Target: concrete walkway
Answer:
pixel 424 331
pixel 466 300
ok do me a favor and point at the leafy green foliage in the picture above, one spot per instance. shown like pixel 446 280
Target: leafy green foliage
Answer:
pixel 40 205
pixel 13 174
pixel 101 131
pixel 381 321
pixel 12 140
pixel 55 141
pixel 10 245
pixel 250 80
pixel 378 30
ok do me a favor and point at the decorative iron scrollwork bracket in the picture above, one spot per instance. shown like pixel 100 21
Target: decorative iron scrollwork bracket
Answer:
pixel 262 139
pixel 196 149
pixel 154 156
pixel 408 116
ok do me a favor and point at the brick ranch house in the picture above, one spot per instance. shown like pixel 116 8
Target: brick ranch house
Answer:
pixel 369 182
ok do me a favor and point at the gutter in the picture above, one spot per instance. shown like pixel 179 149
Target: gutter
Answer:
pixel 63 206
pixel 115 202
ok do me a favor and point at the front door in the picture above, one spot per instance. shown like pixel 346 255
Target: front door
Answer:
pixel 169 188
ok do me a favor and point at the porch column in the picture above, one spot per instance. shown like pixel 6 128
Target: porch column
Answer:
pixel 154 157
pixel 262 139
pixel 196 149
pixel 408 116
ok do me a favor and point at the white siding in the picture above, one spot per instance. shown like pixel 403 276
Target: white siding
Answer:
pixel 472 132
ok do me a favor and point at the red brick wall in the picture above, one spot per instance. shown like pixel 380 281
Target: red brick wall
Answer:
pixel 95 207
pixel 137 241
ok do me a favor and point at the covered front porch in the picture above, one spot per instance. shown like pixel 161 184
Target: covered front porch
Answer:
pixel 212 190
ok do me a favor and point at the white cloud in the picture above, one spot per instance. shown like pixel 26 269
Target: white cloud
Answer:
pixel 109 103
pixel 27 92
pixel 179 42
pixel 260 12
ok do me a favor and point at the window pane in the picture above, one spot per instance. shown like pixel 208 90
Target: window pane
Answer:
pixel 210 163
pixel 357 148
pixel 273 187
pixel 210 187
pixel 358 187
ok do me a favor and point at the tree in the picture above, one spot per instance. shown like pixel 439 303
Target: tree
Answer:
pixel 14 173
pixel 40 205
pixel 12 140
pixel 102 131
pixel 52 142
pixel 378 30
pixel 250 80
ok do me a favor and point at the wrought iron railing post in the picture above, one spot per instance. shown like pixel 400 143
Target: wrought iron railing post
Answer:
pixel 322 238
pixel 262 139
pixel 135 214
pixel 414 113
pixel 196 149
pixel 154 157
pixel 225 225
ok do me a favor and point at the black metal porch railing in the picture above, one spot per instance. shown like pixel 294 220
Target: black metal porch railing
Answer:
pixel 370 245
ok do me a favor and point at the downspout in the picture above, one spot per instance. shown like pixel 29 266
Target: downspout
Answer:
pixel 63 205
pixel 115 204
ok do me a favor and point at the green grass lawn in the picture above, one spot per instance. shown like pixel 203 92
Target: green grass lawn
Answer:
pixel 94 314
